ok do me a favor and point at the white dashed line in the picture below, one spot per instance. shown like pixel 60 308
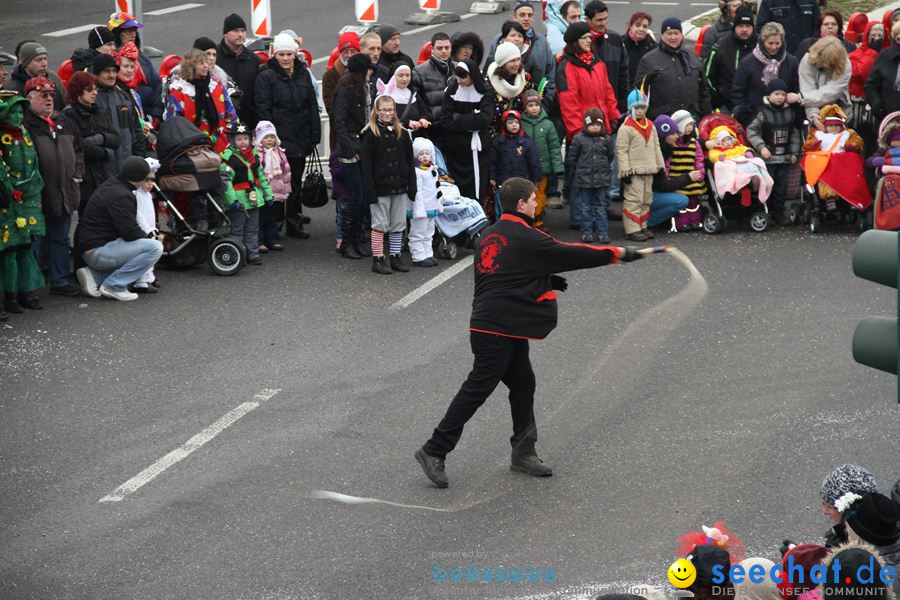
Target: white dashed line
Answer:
pixel 183 451
pixel 172 9
pixel 432 283
pixel 69 31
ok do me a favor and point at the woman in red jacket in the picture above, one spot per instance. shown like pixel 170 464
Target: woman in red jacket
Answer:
pixel 864 57
pixel 582 82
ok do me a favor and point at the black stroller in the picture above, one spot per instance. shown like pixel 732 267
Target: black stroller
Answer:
pixel 189 172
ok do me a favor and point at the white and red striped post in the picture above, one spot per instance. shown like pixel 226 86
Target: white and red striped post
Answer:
pixel 261 18
pixel 430 6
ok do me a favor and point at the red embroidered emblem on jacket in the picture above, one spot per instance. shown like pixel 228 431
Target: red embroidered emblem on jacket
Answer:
pixel 491 248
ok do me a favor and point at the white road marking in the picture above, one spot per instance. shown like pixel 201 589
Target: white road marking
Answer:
pixel 69 31
pixel 703 4
pixel 183 451
pixel 427 27
pixel 321 59
pixel 171 9
pixel 660 3
pixel 432 283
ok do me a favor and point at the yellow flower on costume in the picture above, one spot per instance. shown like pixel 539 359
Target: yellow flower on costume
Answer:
pixel 27 141
pixel 32 221
pixel 6 139
pixel 5 236
pixel 20 222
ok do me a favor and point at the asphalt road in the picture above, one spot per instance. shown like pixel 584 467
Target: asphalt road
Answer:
pixel 318 21
pixel 660 407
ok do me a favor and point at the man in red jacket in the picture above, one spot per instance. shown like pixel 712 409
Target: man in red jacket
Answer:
pixel 515 301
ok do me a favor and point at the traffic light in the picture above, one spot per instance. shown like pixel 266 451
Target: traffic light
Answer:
pixel 876 257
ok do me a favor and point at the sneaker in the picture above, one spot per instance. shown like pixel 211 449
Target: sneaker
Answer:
pixel 147 289
pixel 433 467
pixel 254 261
pixel 425 262
pixel 602 238
pixel 433 261
pixel 122 296
pixel 648 234
pixel 636 237
pixel 587 238
pixel 531 465
pixel 67 289
pixel 86 280
pixel 554 202
pixel 277 247
pixel 263 249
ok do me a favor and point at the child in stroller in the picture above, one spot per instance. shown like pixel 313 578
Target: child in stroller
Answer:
pixel 886 161
pixel 189 176
pixel 833 165
pixel 735 175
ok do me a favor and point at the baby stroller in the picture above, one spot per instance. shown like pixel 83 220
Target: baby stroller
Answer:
pixel 886 160
pixel 460 224
pixel 189 176
pixel 835 187
pixel 718 208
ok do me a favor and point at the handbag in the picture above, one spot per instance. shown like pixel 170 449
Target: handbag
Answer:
pixel 314 192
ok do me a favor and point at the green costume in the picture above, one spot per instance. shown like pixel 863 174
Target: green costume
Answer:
pixel 19 271
pixel 242 177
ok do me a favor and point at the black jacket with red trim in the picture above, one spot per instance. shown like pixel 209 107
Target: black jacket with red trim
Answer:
pixel 514 296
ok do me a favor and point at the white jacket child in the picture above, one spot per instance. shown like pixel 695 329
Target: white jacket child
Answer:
pixel 426 206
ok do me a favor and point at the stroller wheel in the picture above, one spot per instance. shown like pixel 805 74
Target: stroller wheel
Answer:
pixel 814 223
pixel 861 221
pixel 713 224
pixel 794 214
pixel 225 256
pixel 759 222
pixel 447 249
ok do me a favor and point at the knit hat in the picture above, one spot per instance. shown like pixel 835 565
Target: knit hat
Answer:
pixel 670 23
pixel 39 84
pixel 506 51
pixel 123 20
pixel 530 95
pixel 575 31
pixel 665 126
pixel 99 36
pixel 805 556
pixel 360 63
pixel 636 99
pixel 893 135
pixel 102 62
pixel 750 590
pixel 874 519
pixel 264 128
pixel 846 582
pixel 232 22
pixel 204 44
pixel 30 51
pixel 844 479
pixel 283 43
pixel 776 85
pixel 894 14
pixel 153 164
pixel 682 118
pixel 348 39
pixel 593 116
pixel 134 168
pixel 704 558
pixel 420 144
pixel 743 16
pixel 511 114
pixel 386 31
pixel 521 4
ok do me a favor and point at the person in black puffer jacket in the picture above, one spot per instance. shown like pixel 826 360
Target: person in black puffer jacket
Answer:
pixel 725 56
pixel 387 166
pixel 350 112
pixel 434 74
pixel 881 89
pixel 285 96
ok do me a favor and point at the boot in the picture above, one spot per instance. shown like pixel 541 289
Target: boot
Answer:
pixel 361 248
pixel 3 316
pixel 351 226
pixel 397 264
pixel 380 266
pixel 29 300
pixel 11 305
pixel 531 465
pixel 348 250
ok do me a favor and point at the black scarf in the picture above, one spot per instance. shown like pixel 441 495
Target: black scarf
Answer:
pixel 680 52
pixel 204 105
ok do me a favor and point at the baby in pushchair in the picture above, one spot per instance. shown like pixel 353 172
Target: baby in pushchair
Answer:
pixel 886 161
pixel 834 170
pixel 188 181
pixel 736 173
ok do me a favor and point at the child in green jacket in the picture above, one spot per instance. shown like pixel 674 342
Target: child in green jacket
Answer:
pixel 541 130
pixel 246 190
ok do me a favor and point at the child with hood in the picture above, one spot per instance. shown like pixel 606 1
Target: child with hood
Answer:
pixel 513 154
pixel 541 130
pixel 589 161
pixel 278 173
pixel 427 205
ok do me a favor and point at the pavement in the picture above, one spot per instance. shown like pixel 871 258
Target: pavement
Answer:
pixel 661 407
pixel 178 446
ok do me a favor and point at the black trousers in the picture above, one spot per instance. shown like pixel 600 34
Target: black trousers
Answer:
pixel 497 359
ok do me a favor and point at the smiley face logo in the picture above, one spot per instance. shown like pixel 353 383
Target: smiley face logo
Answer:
pixel 682 573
